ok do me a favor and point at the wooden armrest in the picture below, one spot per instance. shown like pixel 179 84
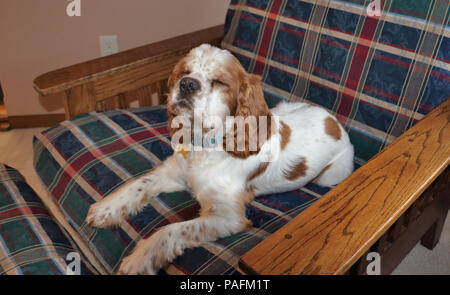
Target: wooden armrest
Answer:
pixel 331 235
pixel 68 77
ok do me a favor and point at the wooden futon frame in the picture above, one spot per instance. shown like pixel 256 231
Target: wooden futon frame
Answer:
pixel 398 198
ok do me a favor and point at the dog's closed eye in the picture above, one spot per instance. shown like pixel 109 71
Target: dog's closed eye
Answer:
pixel 218 82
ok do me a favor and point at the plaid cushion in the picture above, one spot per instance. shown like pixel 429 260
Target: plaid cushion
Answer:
pixel 83 159
pixel 31 242
pixel 379 75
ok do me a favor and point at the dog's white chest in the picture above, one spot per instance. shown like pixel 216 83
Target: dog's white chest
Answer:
pixel 211 171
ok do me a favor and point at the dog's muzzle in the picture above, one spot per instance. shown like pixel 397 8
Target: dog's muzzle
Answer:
pixel 189 86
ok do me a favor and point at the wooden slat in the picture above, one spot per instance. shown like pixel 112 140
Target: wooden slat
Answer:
pixel 163 92
pixel 331 235
pixel 439 188
pixel 144 96
pixel 397 229
pixel 382 244
pixel 122 101
pixel 68 77
pixel 417 229
pixel 156 93
pixel 100 106
pixel 110 103
pixel 79 100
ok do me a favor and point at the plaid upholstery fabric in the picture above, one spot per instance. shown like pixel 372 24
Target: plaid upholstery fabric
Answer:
pixel 30 240
pixel 84 159
pixel 379 75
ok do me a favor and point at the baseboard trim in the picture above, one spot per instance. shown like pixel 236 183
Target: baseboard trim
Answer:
pixel 33 121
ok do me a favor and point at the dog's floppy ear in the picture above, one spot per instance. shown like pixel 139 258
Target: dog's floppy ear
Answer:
pixel 171 115
pixel 251 98
pixel 177 73
pixel 251 109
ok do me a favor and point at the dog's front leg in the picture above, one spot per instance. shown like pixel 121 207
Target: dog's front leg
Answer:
pixel 134 195
pixel 170 241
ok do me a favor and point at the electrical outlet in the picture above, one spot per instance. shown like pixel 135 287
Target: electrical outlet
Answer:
pixel 109 45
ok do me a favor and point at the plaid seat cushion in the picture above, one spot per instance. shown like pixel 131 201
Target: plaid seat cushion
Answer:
pixel 378 74
pixel 84 159
pixel 31 242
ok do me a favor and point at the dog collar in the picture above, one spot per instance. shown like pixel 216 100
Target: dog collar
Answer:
pixel 206 142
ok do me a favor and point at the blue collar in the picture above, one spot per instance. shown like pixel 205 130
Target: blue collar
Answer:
pixel 207 142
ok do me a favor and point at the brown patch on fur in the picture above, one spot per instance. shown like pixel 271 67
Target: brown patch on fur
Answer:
pixel 250 103
pixel 183 233
pixel 232 74
pixel 171 114
pixel 332 128
pixel 296 171
pixel 178 72
pixel 285 135
pixel 322 172
pixel 231 103
pixel 145 200
pixel 230 97
pixel 260 170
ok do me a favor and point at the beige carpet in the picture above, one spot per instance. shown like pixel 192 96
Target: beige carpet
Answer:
pixel 423 261
pixel 16 151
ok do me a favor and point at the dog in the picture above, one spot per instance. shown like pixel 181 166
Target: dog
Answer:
pixel 302 143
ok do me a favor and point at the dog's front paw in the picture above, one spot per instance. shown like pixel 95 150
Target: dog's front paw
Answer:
pixel 148 257
pixel 106 214
pixel 136 264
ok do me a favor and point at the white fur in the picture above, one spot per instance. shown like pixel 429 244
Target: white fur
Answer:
pixel 219 181
pixel 309 141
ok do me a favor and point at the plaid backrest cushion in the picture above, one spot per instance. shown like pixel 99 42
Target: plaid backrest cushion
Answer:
pixel 31 242
pixel 84 159
pixel 378 74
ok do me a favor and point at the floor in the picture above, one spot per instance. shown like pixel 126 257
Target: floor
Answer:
pixel 16 151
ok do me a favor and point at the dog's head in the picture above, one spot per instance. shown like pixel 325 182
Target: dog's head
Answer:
pixel 212 82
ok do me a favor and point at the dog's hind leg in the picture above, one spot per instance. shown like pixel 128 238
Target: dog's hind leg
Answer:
pixel 338 170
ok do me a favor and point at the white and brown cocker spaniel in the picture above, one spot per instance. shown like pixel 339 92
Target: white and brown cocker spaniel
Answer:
pixel 297 144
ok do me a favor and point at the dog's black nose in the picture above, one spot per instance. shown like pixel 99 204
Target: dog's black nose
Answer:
pixel 189 85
